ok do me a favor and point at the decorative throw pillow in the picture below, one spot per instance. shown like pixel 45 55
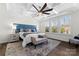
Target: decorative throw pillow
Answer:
pixel 76 37
pixel 30 30
pixel 26 30
pixel 33 30
pixel 24 34
pixel 40 36
pixel 21 30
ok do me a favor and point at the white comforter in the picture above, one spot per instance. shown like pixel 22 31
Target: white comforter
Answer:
pixel 27 38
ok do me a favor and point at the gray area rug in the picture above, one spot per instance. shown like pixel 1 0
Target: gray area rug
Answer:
pixel 15 49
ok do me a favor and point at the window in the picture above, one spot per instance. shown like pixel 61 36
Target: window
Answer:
pixel 47 28
pixel 56 25
pixel 44 26
pixel 61 25
pixel 65 27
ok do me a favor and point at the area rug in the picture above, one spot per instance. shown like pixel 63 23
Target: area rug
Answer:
pixel 16 49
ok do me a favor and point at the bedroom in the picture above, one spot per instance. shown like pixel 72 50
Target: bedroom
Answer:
pixel 23 17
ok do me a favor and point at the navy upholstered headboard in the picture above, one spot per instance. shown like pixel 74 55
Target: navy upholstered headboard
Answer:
pixel 25 26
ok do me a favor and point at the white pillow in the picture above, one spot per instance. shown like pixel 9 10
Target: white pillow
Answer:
pixel 21 30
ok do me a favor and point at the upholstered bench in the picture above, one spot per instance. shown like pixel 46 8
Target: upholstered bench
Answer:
pixel 37 41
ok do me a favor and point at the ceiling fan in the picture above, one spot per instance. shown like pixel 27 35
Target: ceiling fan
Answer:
pixel 42 9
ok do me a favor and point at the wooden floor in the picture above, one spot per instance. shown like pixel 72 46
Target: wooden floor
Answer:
pixel 63 49
pixel 2 49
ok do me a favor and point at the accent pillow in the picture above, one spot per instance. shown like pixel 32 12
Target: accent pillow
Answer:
pixel 30 30
pixel 24 34
pixel 76 37
pixel 27 30
pixel 40 36
pixel 24 30
pixel 21 30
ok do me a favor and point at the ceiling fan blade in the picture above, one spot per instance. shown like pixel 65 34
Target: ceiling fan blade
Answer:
pixel 43 7
pixel 35 7
pixel 47 13
pixel 48 10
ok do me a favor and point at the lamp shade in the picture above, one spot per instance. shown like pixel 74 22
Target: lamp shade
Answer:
pixel 13 26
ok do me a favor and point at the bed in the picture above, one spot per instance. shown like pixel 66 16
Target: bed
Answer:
pixel 27 37
pixel 26 32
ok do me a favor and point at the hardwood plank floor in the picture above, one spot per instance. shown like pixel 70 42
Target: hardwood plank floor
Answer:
pixel 63 49
pixel 2 49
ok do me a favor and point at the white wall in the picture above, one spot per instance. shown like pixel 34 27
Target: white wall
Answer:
pixel 59 36
pixel 75 23
pixel 6 20
pixel 4 29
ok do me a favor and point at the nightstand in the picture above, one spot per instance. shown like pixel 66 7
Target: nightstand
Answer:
pixel 13 37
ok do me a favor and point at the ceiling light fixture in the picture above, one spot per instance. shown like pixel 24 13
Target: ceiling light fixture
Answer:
pixel 42 9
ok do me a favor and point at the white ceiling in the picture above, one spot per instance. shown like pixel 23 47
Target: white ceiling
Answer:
pixel 26 10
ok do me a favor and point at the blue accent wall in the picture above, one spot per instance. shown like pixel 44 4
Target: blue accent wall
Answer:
pixel 25 26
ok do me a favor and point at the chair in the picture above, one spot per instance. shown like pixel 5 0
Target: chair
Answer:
pixel 74 40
